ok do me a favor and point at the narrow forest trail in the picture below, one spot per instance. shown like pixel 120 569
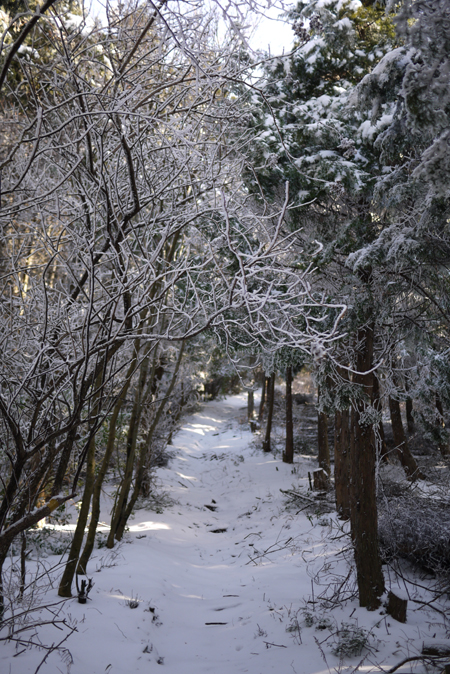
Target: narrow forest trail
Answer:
pixel 225 576
pixel 220 611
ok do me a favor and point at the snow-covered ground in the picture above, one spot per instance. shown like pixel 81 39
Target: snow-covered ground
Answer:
pixel 227 579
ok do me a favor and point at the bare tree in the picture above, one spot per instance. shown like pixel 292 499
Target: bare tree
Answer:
pixel 127 231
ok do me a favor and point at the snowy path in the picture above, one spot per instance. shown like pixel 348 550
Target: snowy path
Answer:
pixel 195 576
pixel 213 609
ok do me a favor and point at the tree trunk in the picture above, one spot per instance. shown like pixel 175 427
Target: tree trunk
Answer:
pixel 270 401
pixel 133 429
pixel 65 586
pixel 145 451
pixel 263 398
pixel 288 454
pixel 250 404
pixel 61 471
pixel 95 514
pixel 363 515
pixel 342 463
pixel 410 424
pixel 2 596
pixel 407 460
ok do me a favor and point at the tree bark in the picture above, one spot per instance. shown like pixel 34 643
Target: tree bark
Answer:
pixel 342 463
pixel 145 451
pixel 364 524
pixel 95 513
pixel 65 586
pixel 263 398
pixel 407 460
pixel 270 401
pixel 410 424
pixel 133 429
pixel 288 454
pixel 250 404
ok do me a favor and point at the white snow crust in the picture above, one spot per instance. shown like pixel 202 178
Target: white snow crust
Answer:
pixel 257 580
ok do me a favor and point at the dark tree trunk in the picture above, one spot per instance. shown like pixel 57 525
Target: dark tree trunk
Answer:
pixel 65 585
pixel 364 524
pixel 98 485
pixel 409 416
pixel 407 460
pixel 263 398
pixel 61 471
pixel 250 404
pixel 288 454
pixel 23 563
pixel 270 401
pixel 342 463
pixel 146 385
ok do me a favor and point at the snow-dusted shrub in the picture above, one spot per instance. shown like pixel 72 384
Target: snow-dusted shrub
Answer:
pixel 350 640
pixel 160 456
pixel 45 541
pixel 417 529
pixel 28 608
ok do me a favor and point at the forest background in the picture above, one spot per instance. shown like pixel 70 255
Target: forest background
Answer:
pixel 177 211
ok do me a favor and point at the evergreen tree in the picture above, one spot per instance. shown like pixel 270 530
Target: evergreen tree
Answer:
pixel 311 134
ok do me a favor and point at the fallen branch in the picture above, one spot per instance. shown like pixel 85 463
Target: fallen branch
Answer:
pixel 269 551
pixel 295 494
pixel 432 660
pixel 33 517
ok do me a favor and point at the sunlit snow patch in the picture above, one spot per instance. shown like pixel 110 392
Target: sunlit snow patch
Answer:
pixel 200 429
pixel 187 477
pixel 149 526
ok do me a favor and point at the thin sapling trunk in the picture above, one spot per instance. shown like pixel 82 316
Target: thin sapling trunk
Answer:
pixel 288 454
pixel 270 401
